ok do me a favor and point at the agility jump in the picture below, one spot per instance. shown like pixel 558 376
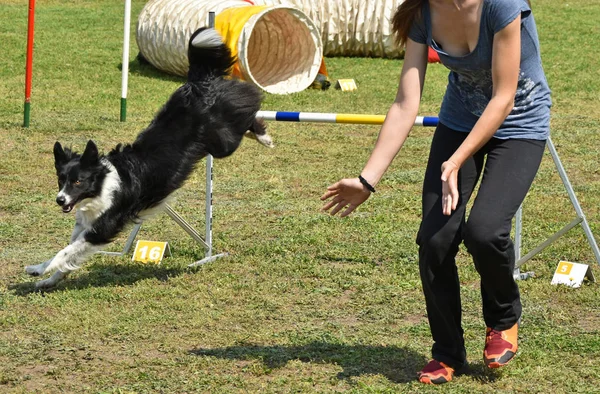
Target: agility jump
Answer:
pixel 430 121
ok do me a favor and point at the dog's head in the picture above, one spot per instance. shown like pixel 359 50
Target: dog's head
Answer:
pixel 79 176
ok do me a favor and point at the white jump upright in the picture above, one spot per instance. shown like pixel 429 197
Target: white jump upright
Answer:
pixel 580 218
pixel 209 197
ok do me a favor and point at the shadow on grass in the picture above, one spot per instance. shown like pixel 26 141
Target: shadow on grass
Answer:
pixel 107 275
pixel 142 67
pixel 397 364
pixel 480 373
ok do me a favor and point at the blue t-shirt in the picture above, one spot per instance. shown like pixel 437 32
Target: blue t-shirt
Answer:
pixel 470 80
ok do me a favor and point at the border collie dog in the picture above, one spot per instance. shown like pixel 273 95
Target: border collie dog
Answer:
pixel 210 114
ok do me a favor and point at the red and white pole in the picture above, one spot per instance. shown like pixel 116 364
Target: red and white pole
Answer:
pixel 29 64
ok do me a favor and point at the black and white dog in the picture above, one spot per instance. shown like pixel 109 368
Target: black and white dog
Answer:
pixel 210 114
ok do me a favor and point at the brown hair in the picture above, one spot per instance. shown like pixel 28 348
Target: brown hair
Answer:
pixel 403 19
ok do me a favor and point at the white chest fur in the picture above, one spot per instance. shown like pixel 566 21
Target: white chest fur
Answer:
pixel 90 209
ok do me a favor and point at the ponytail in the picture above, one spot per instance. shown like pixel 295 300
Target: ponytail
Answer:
pixel 403 19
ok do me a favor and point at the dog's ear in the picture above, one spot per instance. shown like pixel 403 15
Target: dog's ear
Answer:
pixel 90 155
pixel 60 157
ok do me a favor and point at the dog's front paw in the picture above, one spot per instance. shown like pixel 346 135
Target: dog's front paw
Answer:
pixel 266 140
pixel 45 284
pixel 51 281
pixel 35 270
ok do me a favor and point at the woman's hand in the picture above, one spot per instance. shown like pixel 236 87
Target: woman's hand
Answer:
pixel 347 193
pixel 449 187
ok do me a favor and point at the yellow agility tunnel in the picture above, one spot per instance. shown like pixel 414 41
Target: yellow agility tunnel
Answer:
pixel 279 48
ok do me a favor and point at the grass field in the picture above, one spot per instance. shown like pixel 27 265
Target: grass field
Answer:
pixel 304 302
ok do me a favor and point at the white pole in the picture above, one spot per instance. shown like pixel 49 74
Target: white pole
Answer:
pixel 209 179
pixel 209 195
pixel 125 66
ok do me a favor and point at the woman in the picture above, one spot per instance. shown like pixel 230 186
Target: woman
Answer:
pixel 494 119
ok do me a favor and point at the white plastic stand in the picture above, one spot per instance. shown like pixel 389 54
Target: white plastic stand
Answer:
pixel 580 219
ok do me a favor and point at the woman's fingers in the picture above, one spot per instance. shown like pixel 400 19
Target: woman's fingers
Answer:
pixel 347 193
pixel 331 191
pixel 449 189
pixel 328 205
pixel 348 210
pixel 446 204
pixel 337 202
pixel 332 202
pixel 454 191
pixel 446 199
pixel 446 171
pixel 334 186
pixel 328 194
pixel 338 207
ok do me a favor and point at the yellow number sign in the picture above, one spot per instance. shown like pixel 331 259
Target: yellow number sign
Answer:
pixel 346 85
pixel 572 274
pixel 150 251
pixel 564 268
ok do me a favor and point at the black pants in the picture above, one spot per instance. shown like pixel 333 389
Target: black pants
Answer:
pixel 508 172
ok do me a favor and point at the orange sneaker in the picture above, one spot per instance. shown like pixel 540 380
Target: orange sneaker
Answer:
pixel 500 346
pixel 435 372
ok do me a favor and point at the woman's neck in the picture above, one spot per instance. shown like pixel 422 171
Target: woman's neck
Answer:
pixel 455 5
pixel 455 25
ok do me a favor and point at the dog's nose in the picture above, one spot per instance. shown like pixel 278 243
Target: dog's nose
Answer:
pixel 60 200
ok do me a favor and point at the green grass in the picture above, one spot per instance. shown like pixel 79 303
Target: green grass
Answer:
pixel 304 302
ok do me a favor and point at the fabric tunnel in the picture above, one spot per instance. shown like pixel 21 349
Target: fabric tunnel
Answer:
pixel 361 28
pixel 278 47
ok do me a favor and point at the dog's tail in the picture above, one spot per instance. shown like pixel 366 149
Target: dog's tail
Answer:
pixel 208 56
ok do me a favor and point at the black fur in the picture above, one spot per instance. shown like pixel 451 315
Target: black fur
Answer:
pixel 207 115
pixel 81 176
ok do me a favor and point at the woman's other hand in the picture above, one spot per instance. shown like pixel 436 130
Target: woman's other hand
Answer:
pixel 449 187
pixel 348 193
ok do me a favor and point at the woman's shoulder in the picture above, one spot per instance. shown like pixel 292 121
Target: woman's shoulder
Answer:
pixel 500 12
pixel 506 5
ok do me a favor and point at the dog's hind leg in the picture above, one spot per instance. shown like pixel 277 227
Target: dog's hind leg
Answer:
pixel 258 131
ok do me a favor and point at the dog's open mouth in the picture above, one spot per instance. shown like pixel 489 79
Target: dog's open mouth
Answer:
pixel 67 208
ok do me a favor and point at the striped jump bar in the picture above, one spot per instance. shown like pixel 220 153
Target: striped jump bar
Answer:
pixel 318 117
